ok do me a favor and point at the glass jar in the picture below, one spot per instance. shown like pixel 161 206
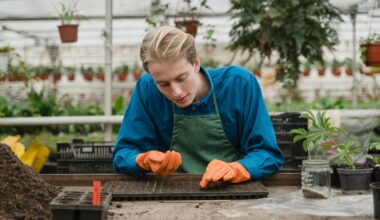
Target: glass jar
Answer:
pixel 316 183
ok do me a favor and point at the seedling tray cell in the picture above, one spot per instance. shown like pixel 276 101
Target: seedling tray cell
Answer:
pixel 78 205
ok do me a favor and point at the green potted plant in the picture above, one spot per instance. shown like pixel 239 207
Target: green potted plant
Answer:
pixel 100 73
pixel 370 48
pixel 188 17
pixel 349 64
pixel 70 73
pixel 306 69
pixel 321 68
pixel 137 71
pixel 18 72
pixel 121 72
pixel 87 73
pixel 57 73
pixel 4 58
pixel 335 67
pixel 69 18
pixel 316 142
pixel 354 178
pixel 284 32
pixel 42 72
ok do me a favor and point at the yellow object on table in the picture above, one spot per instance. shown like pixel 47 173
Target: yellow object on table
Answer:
pixel 17 148
pixel 35 156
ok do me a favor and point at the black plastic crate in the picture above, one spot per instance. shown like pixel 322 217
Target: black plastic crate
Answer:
pixel 78 205
pixel 84 157
pixel 293 152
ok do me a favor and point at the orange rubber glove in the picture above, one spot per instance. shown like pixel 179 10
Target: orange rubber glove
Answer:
pixel 217 170
pixel 162 164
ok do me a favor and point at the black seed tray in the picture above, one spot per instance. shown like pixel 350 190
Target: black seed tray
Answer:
pixel 293 152
pixel 84 157
pixel 77 205
pixel 170 189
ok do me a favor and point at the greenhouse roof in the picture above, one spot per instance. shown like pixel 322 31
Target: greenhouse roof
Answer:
pixel 30 23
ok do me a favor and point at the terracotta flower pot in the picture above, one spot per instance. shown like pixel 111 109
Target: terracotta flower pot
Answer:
pixel 57 77
pixel 306 73
pixel 100 77
pixel 371 53
pixel 188 26
pixel 71 77
pixel 88 77
pixel 349 72
pixel 68 33
pixel 321 72
pixel 44 76
pixel 335 71
pixel 122 76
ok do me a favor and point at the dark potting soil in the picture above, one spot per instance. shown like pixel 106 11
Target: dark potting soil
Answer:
pixel 24 194
pixel 312 194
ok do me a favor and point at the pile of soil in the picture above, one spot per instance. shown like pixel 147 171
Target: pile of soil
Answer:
pixel 24 194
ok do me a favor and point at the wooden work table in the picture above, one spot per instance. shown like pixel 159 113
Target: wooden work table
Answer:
pixel 285 202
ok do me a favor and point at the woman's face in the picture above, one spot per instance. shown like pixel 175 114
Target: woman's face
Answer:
pixel 179 81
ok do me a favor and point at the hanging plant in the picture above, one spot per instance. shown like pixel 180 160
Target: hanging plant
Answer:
pixel 287 29
pixel 69 18
pixel 370 49
pixel 188 18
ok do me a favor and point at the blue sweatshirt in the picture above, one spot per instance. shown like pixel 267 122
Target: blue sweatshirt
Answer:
pixel 148 121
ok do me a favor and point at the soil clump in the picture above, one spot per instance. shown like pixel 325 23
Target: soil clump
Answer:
pixel 24 194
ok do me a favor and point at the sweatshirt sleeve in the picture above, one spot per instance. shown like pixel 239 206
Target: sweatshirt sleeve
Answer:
pixel 137 133
pixel 263 156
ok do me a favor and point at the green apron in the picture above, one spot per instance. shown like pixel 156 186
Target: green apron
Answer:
pixel 201 139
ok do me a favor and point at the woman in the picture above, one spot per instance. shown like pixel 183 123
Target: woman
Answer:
pixel 185 118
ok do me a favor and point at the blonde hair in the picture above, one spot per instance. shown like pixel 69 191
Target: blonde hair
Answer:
pixel 167 44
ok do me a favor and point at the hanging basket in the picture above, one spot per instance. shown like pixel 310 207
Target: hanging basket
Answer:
pixel 188 26
pixel 371 52
pixel 68 32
